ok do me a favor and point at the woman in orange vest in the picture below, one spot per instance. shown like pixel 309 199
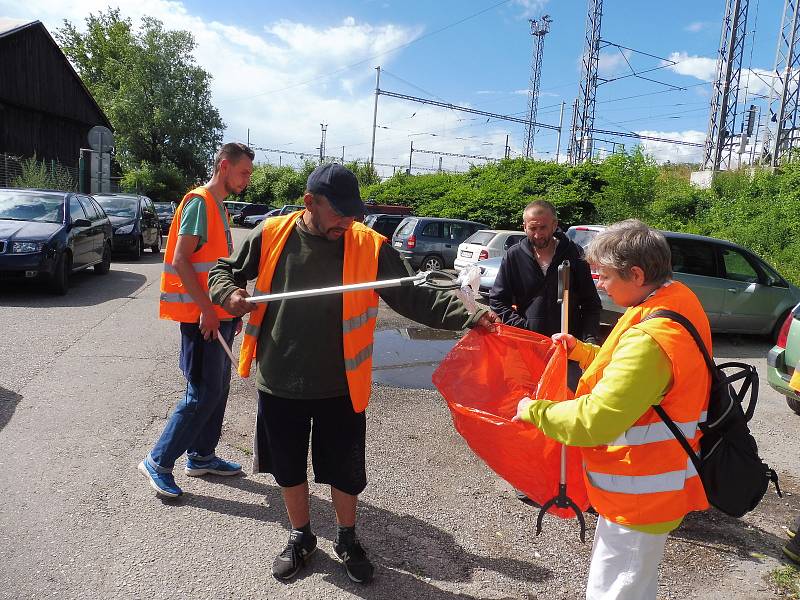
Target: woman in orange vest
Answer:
pixel 199 235
pixel 638 477
pixel 314 355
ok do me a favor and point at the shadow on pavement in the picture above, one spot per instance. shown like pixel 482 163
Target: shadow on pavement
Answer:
pixel 732 345
pixel 86 289
pixel 400 544
pixel 8 404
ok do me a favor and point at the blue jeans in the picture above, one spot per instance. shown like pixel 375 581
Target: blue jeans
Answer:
pixel 196 424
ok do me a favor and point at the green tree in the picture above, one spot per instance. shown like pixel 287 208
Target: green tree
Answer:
pixel 155 95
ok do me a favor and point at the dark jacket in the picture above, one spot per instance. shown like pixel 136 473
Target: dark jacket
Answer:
pixel 521 284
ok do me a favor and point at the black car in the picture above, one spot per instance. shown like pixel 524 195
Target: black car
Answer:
pixel 383 224
pixel 48 235
pixel 250 209
pixel 135 223
pixel 165 212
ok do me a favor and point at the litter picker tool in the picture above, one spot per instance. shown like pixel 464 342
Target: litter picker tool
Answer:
pixel 562 500
pixel 433 279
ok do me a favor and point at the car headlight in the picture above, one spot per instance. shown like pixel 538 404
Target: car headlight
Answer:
pixel 26 247
pixel 125 229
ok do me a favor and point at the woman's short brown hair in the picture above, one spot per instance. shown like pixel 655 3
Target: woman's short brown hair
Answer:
pixel 632 243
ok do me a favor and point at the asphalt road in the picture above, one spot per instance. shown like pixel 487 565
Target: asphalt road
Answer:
pixel 87 380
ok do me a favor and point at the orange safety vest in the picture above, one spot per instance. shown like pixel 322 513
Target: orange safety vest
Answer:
pixel 644 476
pixel 359 309
pixel 176 303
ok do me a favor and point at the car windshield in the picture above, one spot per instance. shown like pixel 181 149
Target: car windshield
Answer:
pixel 481 238
pixel 118 207
pixel 32 206
pixel 164 208
pixel 581 235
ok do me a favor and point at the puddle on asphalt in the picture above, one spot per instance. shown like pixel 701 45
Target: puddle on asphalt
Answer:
pixel 408 357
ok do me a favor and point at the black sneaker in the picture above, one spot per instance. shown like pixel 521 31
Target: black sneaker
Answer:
pixel 355 560
pixel 295 555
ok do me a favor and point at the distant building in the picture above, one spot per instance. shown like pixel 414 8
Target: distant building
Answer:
pixel 44 106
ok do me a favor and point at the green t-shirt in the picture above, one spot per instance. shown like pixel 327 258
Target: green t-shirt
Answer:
pixel 195 222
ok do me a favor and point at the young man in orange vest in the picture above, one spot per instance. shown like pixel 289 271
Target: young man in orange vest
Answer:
pixel 314 355
pixel 638 476
pixel 199 235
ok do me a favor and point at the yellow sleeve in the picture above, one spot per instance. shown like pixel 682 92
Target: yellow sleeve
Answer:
pixel 584 353
pixel 638 376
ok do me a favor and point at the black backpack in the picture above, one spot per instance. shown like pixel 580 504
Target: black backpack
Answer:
pixel 733 475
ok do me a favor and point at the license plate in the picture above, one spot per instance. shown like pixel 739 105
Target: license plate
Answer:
pixel 398 244
pixel 466 254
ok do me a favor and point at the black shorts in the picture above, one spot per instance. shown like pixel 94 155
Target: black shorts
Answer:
pixel 338 441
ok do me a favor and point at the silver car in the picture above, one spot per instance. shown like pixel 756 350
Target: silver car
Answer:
pixel 739 291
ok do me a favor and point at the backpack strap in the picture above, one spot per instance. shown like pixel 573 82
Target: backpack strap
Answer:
pixel 688 326
pixel 678 436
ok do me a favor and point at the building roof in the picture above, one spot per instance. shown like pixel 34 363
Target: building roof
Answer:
pixel 9 26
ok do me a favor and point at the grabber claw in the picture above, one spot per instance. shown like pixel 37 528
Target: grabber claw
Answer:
pixel 562 501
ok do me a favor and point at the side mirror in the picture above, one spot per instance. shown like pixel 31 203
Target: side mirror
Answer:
pixel 81 223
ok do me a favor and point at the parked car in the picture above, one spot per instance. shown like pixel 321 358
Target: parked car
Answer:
pixel 247 210
pixel 234 208
pixel 430 243
pixel 166 213
pixel 783 359
pixel 383 224
pixel 485 243
pixel 254 220
pixel 489 269
pixel 739 291
pixel 135 223
pixel 48 235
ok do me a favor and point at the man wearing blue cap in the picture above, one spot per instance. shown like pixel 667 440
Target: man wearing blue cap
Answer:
pixel 330 336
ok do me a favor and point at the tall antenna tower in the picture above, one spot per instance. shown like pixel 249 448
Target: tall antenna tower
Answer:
pixel 324 127
pixel 580 142
pixel 783 106
pixel 719 146
pixel 539 29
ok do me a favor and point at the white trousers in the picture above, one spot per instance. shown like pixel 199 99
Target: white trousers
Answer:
pixel 624 563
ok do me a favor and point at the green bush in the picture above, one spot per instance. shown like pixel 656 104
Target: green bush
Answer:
pixel 47 175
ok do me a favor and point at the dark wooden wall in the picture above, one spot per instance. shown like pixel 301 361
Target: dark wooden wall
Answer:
pixel 44 107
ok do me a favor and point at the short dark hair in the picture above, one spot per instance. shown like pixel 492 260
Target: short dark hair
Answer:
pixel 541 205
pixel 233 151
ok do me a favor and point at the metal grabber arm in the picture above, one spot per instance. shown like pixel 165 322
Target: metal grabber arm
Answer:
pixel 562 500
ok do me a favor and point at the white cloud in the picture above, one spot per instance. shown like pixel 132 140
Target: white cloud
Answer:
pixel 696 26
pixel 664 151
pixel 758 81
pixel 531 8
pixel 250 68
pixel 610 64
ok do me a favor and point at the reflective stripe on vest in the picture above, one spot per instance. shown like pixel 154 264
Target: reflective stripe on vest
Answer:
pixel 351 364
pixel 179 298
pixel 639 435
pixel 199 267
pixel 359 320
pixel 672 481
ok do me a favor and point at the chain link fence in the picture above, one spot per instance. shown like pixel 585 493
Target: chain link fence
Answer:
pixel 22 172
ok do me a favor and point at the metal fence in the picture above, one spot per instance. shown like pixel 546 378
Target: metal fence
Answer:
pixel 17 171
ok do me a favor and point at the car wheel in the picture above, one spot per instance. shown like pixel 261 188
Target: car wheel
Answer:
pixel 59 280
pixel 794 404
pixel 104 266
pixel 432 263
pixel 137 252
pixel 156 248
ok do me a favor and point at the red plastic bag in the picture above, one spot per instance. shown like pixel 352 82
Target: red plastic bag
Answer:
pixel 483 378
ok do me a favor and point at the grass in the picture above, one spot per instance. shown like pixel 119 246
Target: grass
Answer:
pixel 787 579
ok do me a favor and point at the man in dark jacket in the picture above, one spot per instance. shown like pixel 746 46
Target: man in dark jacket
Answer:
pixel 525 292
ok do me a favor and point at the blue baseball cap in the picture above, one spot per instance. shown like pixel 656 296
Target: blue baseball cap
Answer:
pixel 340 186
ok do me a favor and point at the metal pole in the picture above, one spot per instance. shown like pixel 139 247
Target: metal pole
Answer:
pixel 440 164
pixel 506 152
pixel 410 154
pixel 375 115
pixel 560 125
pixel 342 154
pixel 248 137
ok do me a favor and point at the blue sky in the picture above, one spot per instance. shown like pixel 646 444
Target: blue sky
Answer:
pixel 280 69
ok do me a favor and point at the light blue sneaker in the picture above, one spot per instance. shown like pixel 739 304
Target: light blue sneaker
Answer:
pixel 212 466
pixel 162 483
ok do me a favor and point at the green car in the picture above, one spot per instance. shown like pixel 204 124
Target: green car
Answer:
pixel 739 291
pixel 783 358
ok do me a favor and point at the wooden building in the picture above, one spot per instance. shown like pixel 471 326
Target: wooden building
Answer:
pixel 44 106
